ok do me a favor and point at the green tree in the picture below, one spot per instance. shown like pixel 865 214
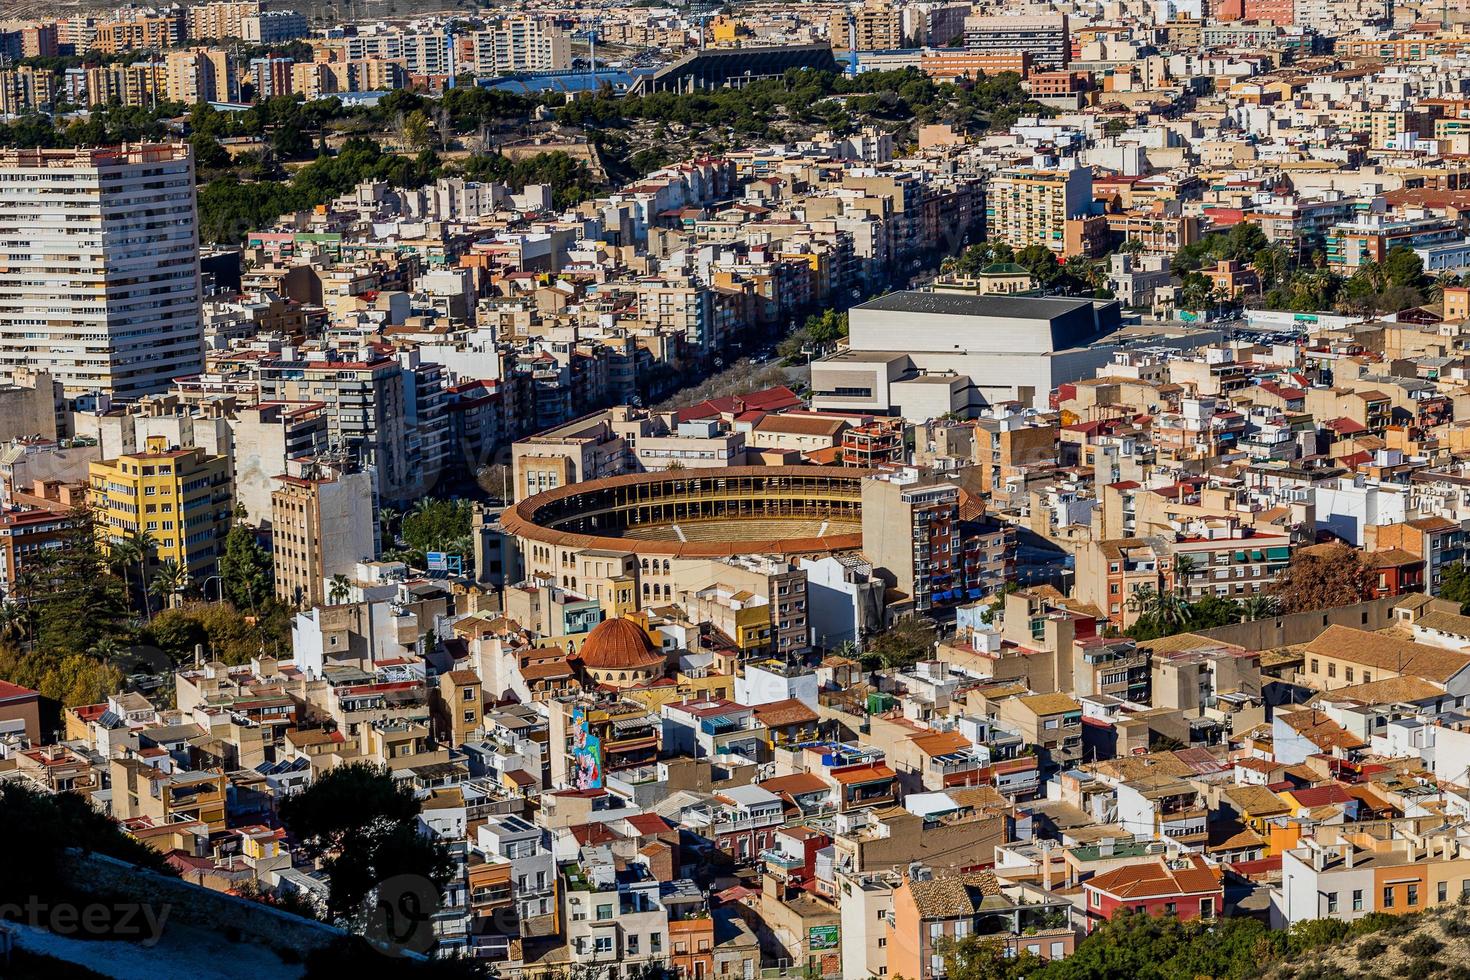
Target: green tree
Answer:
pixel 903 644
pixel 168 583
pixel 1454 585
pixel 77 598
pixel 1262 605
pixel 363 826
pixel 435 525
pixel 51 824
pixel 246 573
pixel 417 131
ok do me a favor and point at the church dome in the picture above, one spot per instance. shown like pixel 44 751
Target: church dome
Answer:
pixel 619 644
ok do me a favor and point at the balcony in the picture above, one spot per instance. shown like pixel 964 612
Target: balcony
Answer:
pixel 777 859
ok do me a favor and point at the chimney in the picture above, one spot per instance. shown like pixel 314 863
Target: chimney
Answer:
pixel 1349 856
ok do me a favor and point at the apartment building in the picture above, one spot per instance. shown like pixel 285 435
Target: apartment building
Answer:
pixel 220 20
pixel 321 526
pixel 26 89
pixel 271 76
pixel 1044 39
pixel 140 32
pixel 519 44
pixel 101 284
pixel 1032 205
pixel 873 26
pixel 142 83
pixel 181 498
pixel 202 75
pixel 419 52
pixel 273 27
pixel 374 404
pixel 912 533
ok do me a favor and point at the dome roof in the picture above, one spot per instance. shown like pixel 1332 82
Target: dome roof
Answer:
pixel 619 644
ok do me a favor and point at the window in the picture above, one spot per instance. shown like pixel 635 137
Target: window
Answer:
pixel 1332 670
pixel 469 717
pixel 1442 891
pixel 655 943
pixel 603 944
pixel 1413 893
pixel 1314 665
pixel 468 694
pixel 632 944
pixel 1331 903
pixel 1358 899
pixel 1348 674
pixel 604 913
pixel 1388 896
pixel 1171 908
pixel 1207 908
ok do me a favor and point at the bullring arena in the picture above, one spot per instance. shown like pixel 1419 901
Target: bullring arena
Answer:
pixel 703 513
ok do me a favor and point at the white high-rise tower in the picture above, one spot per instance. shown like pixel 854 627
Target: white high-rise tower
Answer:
pixel 99 267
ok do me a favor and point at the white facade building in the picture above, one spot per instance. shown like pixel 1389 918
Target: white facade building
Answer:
pixel 99 267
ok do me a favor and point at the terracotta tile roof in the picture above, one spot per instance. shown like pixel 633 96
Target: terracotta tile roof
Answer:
pixel 1159 878
pixel 1390 557
pixel 863 774
pixel 796 784
pixel 953 896
pixel 1387 691
pixel 1444 622
pixel 779 714
pixel 940 743
pixel 1320 730
pixel 14 692
pixel 1317 796
pixel 1384 652
pixel 1255 801
pixel 1050 704
pixel 796 425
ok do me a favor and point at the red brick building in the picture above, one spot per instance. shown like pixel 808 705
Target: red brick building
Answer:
pixel 20 710
pixel 1186 887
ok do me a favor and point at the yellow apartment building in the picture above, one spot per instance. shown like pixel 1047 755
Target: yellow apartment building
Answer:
pixel 182 498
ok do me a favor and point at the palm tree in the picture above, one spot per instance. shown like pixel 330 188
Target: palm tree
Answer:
pixel 339 591
pixel 12 620
pixel 1167 610
pixel 108 650
pixel 169 580
pixel 386 518
pixel 1144 600
pixel 141 547
pixel 1184 567
pixel 1171 611
pixel 123 555
pixel 1259 606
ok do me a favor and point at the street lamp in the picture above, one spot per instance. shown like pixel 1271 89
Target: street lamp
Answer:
pixel 220 593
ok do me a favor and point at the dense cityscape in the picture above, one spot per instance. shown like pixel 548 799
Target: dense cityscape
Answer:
pixel 929 490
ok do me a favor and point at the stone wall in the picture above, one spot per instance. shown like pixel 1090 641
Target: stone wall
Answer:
pixel 192 905
pixel 1304 627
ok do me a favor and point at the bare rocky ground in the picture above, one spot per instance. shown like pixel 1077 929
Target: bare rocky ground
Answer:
pixel 1431 946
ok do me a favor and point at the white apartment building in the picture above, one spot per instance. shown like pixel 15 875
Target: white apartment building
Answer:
pixel 518 44
pixel 420 52
pixel 99 267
